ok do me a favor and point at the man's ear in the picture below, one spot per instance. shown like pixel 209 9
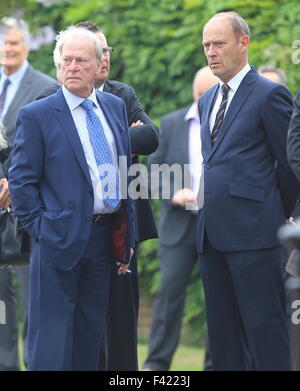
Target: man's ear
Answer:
pixel 26 50
pixel 99 66
pixel 245 40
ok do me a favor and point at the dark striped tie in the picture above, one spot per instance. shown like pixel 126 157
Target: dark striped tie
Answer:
pixel 3 94
pixel 220 114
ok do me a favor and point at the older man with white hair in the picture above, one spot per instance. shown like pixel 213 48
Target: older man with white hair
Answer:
pixel 65 189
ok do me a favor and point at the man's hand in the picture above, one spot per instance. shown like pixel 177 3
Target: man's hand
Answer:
pixel 137 123
pixel 183 197
pixel 290 221
pixel 123 269
pixel 4 194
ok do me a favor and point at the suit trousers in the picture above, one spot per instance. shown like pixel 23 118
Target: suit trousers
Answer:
pixel 119 350
pixel 9 357
pixel 67 309
pixel 246 309
pixel 176 265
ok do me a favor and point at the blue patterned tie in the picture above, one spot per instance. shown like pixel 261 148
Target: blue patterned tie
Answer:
pixel 109 178
pixel 3 94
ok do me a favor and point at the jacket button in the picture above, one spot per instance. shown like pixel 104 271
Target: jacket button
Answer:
pixel 208 165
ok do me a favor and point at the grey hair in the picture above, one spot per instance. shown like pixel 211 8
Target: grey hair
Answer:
pixel 70 33
pixel 279 72
pixel 3 141
pixel 239 25
pixel 7 23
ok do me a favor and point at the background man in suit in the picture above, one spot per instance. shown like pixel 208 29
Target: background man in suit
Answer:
pixel 249 192
pixel 179 143
pixel 20 84
pixel 66 202
pixel 121 353
pixel 275 74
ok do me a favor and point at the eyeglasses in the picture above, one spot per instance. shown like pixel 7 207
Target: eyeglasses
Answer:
pixel 107 51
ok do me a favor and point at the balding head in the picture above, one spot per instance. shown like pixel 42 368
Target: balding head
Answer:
pixel 225 41
pixel 203 80
pixel 238 24
pixel 275 74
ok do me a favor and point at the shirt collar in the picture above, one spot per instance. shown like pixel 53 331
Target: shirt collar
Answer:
pixel 192 113
pixel 74 101
pixel 17 76
pixel 237 79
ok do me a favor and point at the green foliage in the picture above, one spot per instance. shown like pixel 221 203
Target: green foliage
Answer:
pixel 194 318
pixel 148 266
pixel 157 51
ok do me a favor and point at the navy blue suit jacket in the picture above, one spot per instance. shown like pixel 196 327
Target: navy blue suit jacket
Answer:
pixel 49 179
pixel 249 187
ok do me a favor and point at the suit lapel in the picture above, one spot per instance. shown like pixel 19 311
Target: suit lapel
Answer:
pixel 182 134
pixel 22 91
pixel 67 124
pixel 107 87
pixel 112 87
pixel 185 143
pixel 236 104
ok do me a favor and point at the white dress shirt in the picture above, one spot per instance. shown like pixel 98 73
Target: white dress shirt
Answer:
pixel 234 85
pixel 195 155
pixel 79 117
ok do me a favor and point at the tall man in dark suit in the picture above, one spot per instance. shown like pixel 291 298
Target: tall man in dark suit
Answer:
pixel 121 353
pixel 20 84
pixel 249 192
pixel 68 195
pixel 179 144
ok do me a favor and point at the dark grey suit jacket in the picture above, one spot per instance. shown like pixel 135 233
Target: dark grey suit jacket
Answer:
pixel 33 84
pixel 173 148
pixel 144 140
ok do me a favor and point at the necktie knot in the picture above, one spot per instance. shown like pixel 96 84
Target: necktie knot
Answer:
pixel 225 89
pixel 87 105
